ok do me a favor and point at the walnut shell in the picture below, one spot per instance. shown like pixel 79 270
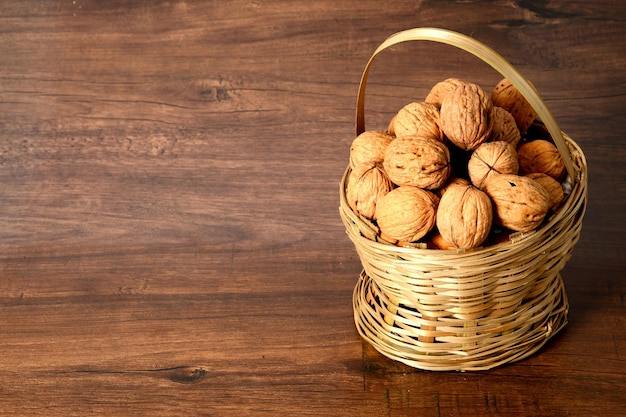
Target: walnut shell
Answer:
pixel 489 159
pixel 466 116
pixel 439 90
pixel 464 216
pixel 417 161
pixel 504 127
pixel 418 119
pixel 369 148
pixel 407 213
pixel 541 156
pixel 520 203
pixel 366 186
pixel 552 186
pixel 507 96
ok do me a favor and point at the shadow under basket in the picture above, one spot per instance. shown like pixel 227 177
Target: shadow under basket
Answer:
pixel 456 310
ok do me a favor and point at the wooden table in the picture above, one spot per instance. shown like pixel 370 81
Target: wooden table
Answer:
pixel 170 241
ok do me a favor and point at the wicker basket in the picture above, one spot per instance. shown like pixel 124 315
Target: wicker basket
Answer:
pixel 475 309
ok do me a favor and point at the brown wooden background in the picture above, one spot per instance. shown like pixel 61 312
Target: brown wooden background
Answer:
pixel 170 242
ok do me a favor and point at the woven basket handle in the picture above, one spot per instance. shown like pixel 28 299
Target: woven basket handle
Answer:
pixel 486 54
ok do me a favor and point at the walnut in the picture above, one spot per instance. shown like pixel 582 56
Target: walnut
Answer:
pixel 504 127
pixel 464 216
pixel 439 90
pixel 407 213
pixel 489 159
pixel 541 156
pixel 507 96
pixel 367 184
pixel 466 116
pixel 552 186
pixel 418 118
pixel 417 161
pixel 369 148
pixel 520 203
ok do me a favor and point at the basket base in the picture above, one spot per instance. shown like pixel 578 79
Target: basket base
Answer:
pixel 451 344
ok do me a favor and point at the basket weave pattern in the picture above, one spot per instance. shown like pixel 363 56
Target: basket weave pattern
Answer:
pixel 466 310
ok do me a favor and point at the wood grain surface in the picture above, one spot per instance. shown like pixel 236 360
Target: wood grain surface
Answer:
pixel 170 241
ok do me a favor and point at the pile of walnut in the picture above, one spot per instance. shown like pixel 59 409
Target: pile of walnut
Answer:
pixel 459 170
